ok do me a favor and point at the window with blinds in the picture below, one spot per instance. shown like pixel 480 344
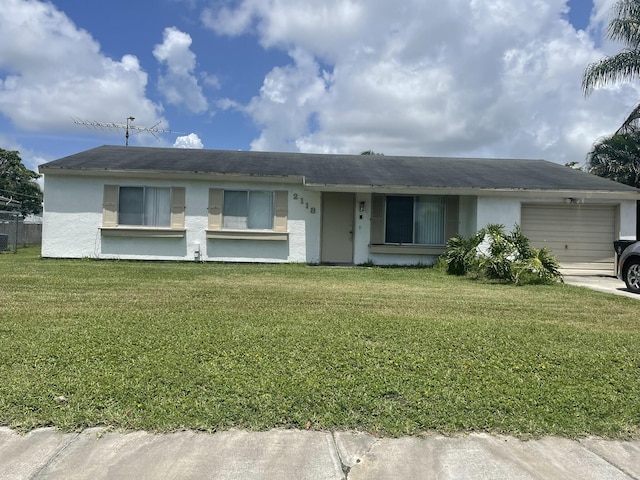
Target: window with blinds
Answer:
pixel 417 220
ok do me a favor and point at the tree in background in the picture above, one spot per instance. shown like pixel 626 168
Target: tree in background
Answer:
pixel 616 156
pixel 19 183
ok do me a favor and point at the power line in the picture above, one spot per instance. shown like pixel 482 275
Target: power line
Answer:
pixel 19 194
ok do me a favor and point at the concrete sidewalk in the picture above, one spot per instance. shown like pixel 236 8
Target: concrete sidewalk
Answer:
pixel 291 454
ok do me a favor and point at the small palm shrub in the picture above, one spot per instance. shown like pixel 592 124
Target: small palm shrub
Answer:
pixel 459 255
pixel 495 254
pixel 541 267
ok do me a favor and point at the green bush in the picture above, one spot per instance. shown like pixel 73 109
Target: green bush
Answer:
pixel 459 256
pixel 493 253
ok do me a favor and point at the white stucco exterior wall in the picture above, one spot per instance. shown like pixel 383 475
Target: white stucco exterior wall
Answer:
pixel 73 216
pixel 628 217
pixel 362 229
pixel 305 217
pixel 504 211
pixel 303 244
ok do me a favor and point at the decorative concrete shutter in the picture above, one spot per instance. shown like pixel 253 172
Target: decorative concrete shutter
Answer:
pixel 377 219
pixel 281 201
pixel 177 207
pixel 216 197
pixel 451 220
pixel 110 206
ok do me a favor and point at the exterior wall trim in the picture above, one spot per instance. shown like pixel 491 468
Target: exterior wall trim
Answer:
pixel 406 249
pixel 247 235
pixel 142 232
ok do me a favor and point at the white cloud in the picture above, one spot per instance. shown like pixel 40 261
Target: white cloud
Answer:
pixel 211 80
pixel 230 22
pixel 463 77
pixel 52 71
pixel 188 141
pixel 288 97
pixel 179 84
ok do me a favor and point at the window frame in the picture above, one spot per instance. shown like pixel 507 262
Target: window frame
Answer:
pixel 110 215
pixel 415 220
pixel 147 212
pixel 249 210
pixel 279 222
pixel 378 244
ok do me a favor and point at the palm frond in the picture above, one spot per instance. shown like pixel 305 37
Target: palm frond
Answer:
pixel 622 66
pixel 626 9
pixel 617 157
pixel 626 31
pixel 630 124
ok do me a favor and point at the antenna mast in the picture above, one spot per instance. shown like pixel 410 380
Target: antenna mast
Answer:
pixel 126 127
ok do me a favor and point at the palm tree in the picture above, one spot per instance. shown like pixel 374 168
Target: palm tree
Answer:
pixel 617 157
pixel 632 122
pixel 624 27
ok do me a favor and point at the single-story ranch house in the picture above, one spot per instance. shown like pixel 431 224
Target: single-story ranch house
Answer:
pixel 237 206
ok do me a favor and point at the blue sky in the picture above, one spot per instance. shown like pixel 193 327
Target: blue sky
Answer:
pixel 579 13
pixel 486 78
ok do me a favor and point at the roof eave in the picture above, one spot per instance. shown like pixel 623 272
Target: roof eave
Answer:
pixel 478 191
pixel 170 175
pixel 326 187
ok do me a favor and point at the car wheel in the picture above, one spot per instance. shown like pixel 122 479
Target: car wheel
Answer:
pixel 632 275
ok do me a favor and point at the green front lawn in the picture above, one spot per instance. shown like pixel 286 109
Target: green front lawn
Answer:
pixel 166 346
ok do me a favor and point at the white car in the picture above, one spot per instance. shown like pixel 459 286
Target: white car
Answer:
pixel 629 267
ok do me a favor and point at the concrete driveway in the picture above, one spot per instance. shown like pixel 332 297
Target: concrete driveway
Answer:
pixel 600 282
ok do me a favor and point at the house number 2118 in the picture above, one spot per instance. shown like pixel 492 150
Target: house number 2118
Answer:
pixel 302 202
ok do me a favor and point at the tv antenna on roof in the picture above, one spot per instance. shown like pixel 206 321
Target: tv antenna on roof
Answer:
pixel 126 127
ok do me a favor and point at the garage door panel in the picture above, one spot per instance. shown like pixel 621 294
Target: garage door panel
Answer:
pixel 598 237
pixel 584 227
pixel 587 225
pixel 580 253
pixel 575 234
pixel 594 236
pixel 563 240
pixel 580 247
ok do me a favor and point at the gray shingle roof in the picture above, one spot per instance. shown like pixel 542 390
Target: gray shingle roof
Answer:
pixel 354 170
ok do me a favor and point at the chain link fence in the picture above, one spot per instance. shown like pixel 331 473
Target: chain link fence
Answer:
pixel 15 232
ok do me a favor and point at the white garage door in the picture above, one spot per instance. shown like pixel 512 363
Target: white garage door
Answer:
pixel 580 236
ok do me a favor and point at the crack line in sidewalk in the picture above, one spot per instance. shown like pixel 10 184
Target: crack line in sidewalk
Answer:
pixel 56 455
pixel 617 467
pixel 346 469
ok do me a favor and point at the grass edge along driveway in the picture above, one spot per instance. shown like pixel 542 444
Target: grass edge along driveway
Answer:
pixel 390 351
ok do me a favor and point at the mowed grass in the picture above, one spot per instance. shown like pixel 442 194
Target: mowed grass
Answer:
pixel 167 346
